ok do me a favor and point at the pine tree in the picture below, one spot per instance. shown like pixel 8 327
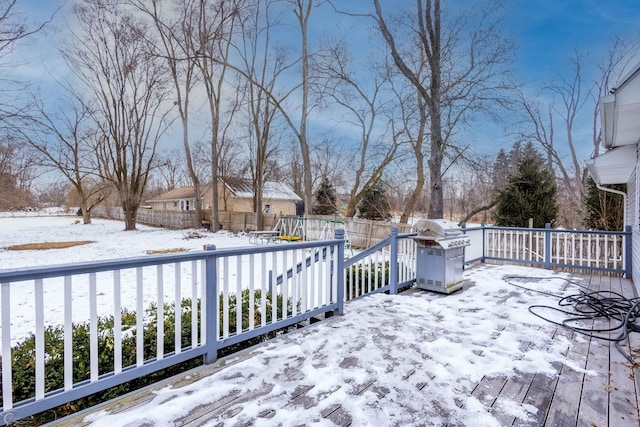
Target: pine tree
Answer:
pixel 530 193
pixel 501 170
pixel 603 210
pixel 375 204
pixel 325 198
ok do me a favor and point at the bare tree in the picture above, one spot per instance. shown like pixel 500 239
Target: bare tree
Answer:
pixel 170 166
pixel 550 120
pixel 66 142
pixel 173 29
pixel 262 67
pixel 110 55
pixel 212 27
pixel 14 29
pixel 17 172
pixel 457 66
pixel 302 10
pixel 360 98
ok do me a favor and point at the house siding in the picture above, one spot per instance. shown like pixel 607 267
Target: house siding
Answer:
pixel 633 215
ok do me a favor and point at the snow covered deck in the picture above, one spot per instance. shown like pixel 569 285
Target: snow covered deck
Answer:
pixel 475 357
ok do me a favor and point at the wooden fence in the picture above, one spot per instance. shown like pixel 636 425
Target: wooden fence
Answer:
pixel 361 233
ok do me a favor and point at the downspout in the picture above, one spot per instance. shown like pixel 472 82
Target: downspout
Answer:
pixel 624 220
pixel 624 201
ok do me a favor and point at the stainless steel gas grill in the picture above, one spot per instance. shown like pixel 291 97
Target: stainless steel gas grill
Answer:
pixel 440 255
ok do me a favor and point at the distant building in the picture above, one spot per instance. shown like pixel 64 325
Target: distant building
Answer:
pixel 234 195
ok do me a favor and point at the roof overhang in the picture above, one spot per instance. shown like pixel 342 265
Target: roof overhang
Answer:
pixel 613 167
pixel 619 112
pixel 620 122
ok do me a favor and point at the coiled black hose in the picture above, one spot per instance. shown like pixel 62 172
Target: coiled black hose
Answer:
pixel 586 310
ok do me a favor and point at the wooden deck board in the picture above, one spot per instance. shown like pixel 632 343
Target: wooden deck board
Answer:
pixel 566 396
pixel 605 396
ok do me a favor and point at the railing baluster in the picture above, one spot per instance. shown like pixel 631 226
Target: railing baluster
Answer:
pixel 207 301
pixel 194 304
pixel 7 369
pixel 252 293
pixel 239 302
pixel 285 283
pixel 39 338
pixel 117 323
pixel 294 282
pixel 332 279
pixel 312 284
pixel 177 308
pixel 225 298
pixel 263 291
pixel 93 328
pixel 68 335
pixel 274 287
pixel 304 283
pixel 139 318
pixel 597 250
pixel 376 270
pixel 160 312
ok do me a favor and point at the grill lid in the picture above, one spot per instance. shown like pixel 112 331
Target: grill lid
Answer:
pixel 441 233
pixel 437 228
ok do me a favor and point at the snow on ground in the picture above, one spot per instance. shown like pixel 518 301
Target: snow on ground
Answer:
pixel 450 342
pixel 109 241
pixel 453 340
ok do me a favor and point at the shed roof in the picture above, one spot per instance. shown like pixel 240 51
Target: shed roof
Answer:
pixel 273 190
pixel 239 187
pixel 180 193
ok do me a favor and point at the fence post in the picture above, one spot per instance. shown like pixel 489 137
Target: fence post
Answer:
pixel 463 226
pixel 339 235
pixel 547 246
pixel 628 258
pixel 211 306
pixel 484 242
pixel 393 260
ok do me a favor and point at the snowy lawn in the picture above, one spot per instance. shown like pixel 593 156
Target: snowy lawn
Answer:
pixel 109 241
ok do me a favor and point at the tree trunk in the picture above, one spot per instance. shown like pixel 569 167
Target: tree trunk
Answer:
pixel 130 210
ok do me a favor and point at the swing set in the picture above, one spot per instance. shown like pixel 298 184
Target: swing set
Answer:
pixel 296 229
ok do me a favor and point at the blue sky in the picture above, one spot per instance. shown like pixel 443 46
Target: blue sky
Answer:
pixel 546 33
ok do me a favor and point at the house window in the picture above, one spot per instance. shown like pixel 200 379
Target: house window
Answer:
pixel 181 205
pixel 186 205
pixel 267 208
pixel 175 203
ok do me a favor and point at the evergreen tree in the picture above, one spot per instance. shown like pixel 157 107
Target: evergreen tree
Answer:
pixel 530 193
pixel 603 210
pixel 375 204
pixel 501 170
pixel 325 198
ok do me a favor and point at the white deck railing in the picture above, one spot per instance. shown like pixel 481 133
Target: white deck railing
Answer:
pixel 606 251
pixel 183 306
